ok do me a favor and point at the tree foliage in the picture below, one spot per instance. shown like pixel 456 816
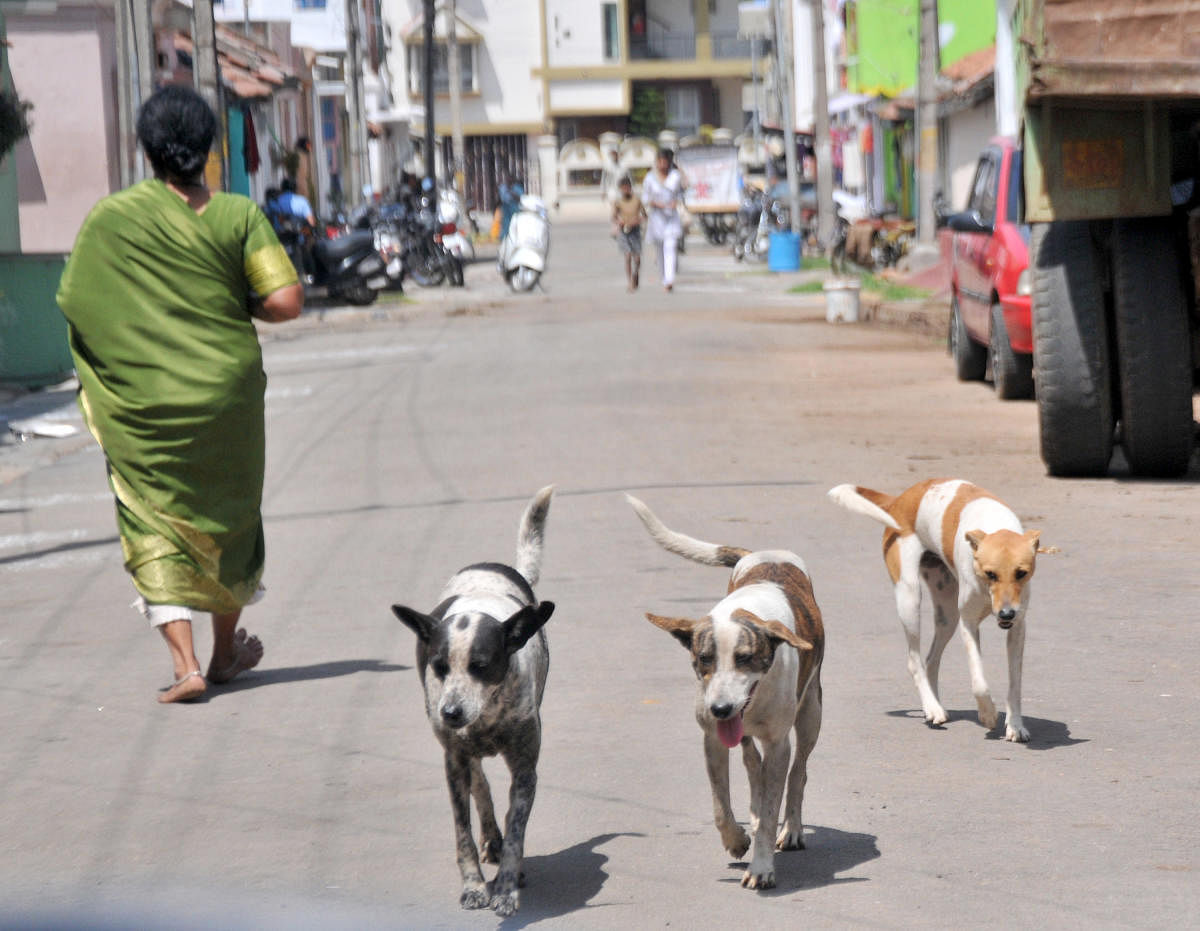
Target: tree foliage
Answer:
pixel 648 116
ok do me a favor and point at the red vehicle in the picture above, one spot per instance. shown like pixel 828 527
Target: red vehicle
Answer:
pixel 987 248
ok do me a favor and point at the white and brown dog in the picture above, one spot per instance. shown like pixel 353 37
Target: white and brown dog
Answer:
pixel 758 656
pixel 482 657
pixel 976 559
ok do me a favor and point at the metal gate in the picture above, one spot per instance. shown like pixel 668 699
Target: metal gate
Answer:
pixel 486 162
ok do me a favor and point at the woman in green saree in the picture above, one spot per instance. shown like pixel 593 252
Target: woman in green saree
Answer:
pixel 159 292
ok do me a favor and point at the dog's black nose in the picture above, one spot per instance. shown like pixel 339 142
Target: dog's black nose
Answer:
pixel 1007 614
pixel 452 715
pixel 722 711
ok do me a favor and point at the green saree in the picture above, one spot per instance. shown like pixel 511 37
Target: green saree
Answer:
pixel 171 384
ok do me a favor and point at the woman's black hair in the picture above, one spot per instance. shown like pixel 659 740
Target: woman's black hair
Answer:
pixel 176 129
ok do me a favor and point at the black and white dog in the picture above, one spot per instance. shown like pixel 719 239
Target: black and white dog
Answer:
pixel 482 658
pixel 757 658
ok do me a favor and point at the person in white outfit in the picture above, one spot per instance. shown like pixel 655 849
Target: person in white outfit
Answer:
pixel 662 193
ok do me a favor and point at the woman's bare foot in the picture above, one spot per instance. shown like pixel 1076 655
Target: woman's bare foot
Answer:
pixel 187 687
pixel 244 653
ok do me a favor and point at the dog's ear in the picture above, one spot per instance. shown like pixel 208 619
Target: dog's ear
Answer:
pixel 777 630
pixel 974 537
pixel 525 623
pixel 678 627
pixel 1034 538
pixel 421 624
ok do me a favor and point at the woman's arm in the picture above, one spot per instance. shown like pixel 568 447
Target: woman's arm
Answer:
pixel 281 305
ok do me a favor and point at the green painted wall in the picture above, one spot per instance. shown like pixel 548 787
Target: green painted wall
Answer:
pixel 882 41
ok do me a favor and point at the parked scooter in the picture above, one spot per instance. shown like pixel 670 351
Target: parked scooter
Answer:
pixel 524 248
pixel 456 226
pixel 348 268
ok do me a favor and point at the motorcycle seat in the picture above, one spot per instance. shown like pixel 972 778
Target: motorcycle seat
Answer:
pixel 332 251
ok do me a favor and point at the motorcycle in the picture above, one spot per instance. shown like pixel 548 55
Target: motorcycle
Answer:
pixel 760 214
pixel 457 226
pixel 348 267
pixel 526 244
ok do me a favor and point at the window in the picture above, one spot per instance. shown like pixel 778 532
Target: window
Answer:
pixel 309 4
pixel 612 34
pixel 441 68
pixel 683 110
pixel 983 190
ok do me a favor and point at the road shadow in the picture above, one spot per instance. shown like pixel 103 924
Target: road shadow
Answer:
pixel 56 550
pixel 1044 734
pixel 827 852
pixel 557 884
pixel 257 678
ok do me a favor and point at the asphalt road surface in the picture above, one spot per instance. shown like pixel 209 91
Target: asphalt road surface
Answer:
pixel 310 792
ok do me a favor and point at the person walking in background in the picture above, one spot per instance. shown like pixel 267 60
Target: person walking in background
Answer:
pixel 159 293
pixel 627 216
pixel 303 174
pixel 511 193
pixel 610 177
pixel 662 193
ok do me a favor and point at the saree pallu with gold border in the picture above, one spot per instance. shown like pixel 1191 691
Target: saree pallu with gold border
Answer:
pixel 171 384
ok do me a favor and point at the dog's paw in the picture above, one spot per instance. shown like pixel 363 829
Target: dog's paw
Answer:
pixel 474 895
pixel 490 848
pixel 790 838
pixel 987 711
pixel 505 904
pixel 1018 734
pixel 936 716
pixel 759 879
pixel 736 842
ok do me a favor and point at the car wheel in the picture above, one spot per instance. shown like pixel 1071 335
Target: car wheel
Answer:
pixel 1070 350
pixel 359 294
pixel 970 359
pixel 1012 372
pixel 1153 347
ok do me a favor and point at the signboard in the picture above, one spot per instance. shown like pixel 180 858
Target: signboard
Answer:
pixel 712 177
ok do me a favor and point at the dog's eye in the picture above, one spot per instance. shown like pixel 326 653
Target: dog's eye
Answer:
pixel 440 668
pixel 742 660
pixel 1021 573
pixel 477 668
pixel 991 576
pixel 705 659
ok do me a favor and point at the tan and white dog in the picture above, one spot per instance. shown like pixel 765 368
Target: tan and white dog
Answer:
pixel 757 655
pixel 976 559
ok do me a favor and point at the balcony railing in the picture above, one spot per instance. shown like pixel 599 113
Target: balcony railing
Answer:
pixel 657 42
pixel 729 45
pixel 680 45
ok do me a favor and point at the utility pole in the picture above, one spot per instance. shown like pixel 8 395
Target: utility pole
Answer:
pixel 821 142
pixel 785 63
pixel 927 126
pixel 206 75
pixel 126 78
pixel 356 129
pixel 427 86
pixel 454 70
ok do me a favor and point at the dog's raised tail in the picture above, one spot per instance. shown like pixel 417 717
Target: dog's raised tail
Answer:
pixel 532 535
pixel 710 554
pixel 864 501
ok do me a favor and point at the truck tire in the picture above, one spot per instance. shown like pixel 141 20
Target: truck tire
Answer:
pixel 1012 372
pixel 1153 347
pixel 970 359
pixel 1070 350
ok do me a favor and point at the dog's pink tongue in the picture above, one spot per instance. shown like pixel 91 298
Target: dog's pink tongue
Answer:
pixel 730 731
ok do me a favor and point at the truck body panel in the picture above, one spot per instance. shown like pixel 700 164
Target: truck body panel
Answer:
pixel 1101 81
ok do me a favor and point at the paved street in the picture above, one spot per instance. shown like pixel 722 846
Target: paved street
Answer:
pixel 404 441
